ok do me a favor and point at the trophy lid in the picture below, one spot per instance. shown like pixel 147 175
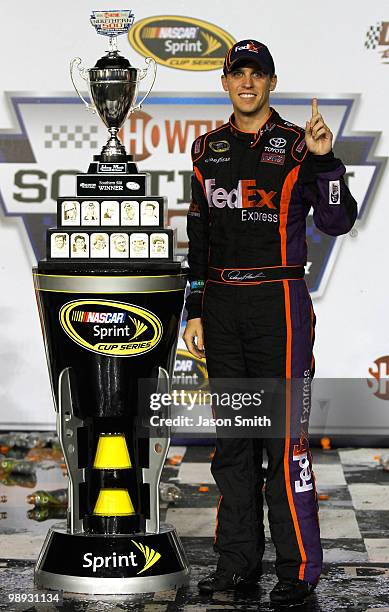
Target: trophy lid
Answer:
pixel 112 61
pixel 112 24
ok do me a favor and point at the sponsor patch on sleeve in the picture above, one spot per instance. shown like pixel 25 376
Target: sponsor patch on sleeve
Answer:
pixel 194 209
pixel 219 146
pixel 334 193
pixel 273 158
pixel 197 146
pixel 197 285
pixel 300 147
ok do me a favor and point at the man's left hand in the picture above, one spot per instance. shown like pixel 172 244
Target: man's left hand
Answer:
pixel 318 136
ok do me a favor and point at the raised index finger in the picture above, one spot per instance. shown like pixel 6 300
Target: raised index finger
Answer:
pixel 315 107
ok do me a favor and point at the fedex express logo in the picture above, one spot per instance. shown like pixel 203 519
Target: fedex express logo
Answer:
pixel 246 195
pixel 304 483
pixel 54 138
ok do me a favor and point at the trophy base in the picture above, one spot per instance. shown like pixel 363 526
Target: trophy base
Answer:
pixel 109 565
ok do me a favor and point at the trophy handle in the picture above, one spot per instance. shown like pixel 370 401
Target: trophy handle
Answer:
pixel 150 62
pixel 83 72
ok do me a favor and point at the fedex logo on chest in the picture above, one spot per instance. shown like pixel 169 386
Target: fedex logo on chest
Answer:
pixel 245 195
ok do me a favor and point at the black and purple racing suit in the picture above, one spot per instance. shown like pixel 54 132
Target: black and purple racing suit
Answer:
pixel 251 194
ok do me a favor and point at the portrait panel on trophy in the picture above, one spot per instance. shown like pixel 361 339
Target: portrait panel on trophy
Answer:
pixel 79 245
pixel 90 213
pixel 119 245
pixel 109 213
pixel 59 245
pixel 129 213
pixel 149 213
pixel 159 245
pixel 139 245
pixel 99 245
pixel 70 212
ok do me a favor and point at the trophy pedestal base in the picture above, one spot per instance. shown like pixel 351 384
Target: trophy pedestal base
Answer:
pixel 109 565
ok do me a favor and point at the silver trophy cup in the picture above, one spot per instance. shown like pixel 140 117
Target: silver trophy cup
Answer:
pixel 113 86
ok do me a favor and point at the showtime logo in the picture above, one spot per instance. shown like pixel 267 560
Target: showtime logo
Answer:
pixel 379 383
pixel 144 135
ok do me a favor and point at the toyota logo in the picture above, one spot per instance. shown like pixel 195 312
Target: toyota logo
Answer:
pixel 278 142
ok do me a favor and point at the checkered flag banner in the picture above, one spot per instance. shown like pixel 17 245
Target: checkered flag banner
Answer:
pixel 373 36
pixel 77 137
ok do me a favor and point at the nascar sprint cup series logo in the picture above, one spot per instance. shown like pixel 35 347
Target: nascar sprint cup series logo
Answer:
pixel 111 328
pixel 181 42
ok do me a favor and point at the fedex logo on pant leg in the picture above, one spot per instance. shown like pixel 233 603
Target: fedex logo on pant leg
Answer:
pixel 305 482
pixel 246 195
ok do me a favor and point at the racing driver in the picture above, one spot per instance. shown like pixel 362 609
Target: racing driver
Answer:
pixel 250 314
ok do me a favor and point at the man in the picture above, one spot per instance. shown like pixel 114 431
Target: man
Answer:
pixel 149 213
pixel 90 211
pixel 129 210
pixel 138 247
pixel 79 245
pixel 70 213
pixel 59 245
pixel 250 313
pixel 99 243
pixel 60 241
pixel 120 243
pixel 158 244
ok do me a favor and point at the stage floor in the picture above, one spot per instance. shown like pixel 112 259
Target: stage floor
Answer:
pixel 354 522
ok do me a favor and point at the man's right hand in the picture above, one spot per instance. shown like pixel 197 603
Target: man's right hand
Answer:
pixel 194 329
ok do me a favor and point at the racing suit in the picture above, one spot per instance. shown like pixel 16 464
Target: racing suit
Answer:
pixel 246 224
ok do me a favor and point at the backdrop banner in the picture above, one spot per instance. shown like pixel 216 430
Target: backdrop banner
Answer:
pixel 46 135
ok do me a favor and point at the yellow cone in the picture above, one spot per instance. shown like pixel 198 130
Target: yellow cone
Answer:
pixel 112 453
pixel 114 502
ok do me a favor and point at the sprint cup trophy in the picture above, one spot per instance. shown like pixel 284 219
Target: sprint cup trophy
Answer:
pixel 112 83
pixel 110 296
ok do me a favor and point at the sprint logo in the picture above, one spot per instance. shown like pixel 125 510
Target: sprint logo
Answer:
pixel 114 560
pixel 151 556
